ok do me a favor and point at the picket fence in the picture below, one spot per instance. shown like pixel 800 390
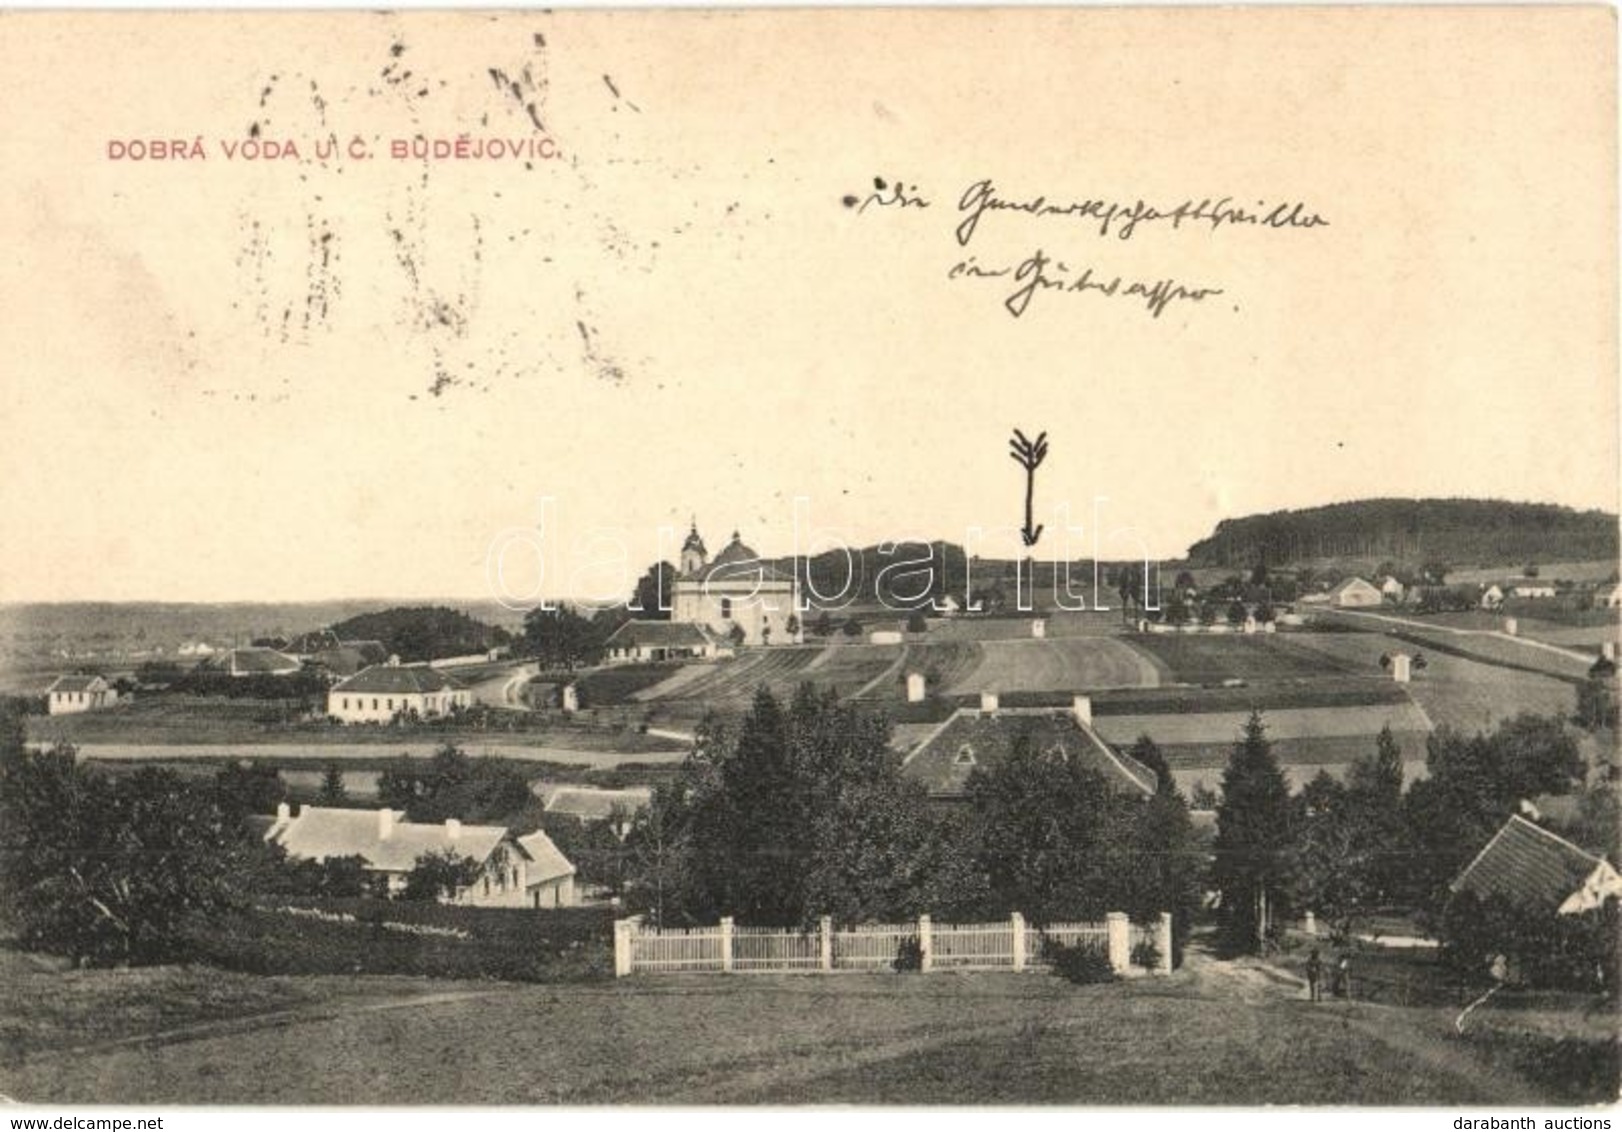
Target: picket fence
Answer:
pixel 1009 945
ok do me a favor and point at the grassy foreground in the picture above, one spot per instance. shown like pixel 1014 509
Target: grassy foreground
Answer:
pixel 1215 1034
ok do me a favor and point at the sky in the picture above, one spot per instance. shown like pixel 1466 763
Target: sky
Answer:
pixel 340 374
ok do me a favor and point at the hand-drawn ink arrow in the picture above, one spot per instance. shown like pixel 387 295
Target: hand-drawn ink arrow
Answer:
pixel 1029 455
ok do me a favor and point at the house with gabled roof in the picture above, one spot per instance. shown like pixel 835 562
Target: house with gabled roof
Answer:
pixel 516 872
pixel 971 739
pixel 75 693
pixel 1354 593
pixel 384 692
pixel 1527 866
pixel 662 640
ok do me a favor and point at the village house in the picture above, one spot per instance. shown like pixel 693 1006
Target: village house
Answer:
pixel 244 662
pixel 514 872
pixel 383 692
pixel 592 804
pixel 983 737
pixel 1492 597
pixel 663 640
pixel 1391 589
pixel 1354 593
pixel 1613 598
pixel 68 694
pixel 736 591
pixel 1532 868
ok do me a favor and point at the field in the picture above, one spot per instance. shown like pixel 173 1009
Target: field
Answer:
pixel 1457 692
pixel 215 721
pixel 1214 1033
pixel 1196 658
pixel 1078 663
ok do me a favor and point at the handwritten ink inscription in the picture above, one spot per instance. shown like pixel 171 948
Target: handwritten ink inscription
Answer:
pixel 1043 273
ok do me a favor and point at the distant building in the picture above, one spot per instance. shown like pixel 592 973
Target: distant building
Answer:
pixel 380 693
pixel 1613 599
pixel 943 760
pixel 737 590
pixel 349 657
pixel 1492 597
pixel 1532 589
pixel 1354 593
pixel 1532 868
pixel 69 694
pixel 1391 589
pixel 245 662
pixel 662 640
pixel 523 872
pixel 590 804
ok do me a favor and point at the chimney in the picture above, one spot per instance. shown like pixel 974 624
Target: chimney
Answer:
pixel 1082 706
pixel 385 824
pixel 453 830
pixel 915 687
pixel 284 813
pixel 988 701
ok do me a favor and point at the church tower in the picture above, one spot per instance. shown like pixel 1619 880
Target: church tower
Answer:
pixel 693 555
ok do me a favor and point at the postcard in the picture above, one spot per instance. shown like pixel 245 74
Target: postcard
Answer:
pixel 1045 557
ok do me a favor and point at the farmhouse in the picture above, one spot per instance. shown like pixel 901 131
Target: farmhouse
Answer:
pixel 1391 589
pixel 384 691
pixel 246 662
pixel 662 640
pixel 1492 597
pixel 1613 599
pixel 735 591
pixel 526 872
pixel 969 738
pixel 69 694
pixel 1354 593
pixel 1530 867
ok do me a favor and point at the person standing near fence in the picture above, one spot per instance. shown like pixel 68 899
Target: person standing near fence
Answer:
pixel 1343 977
pixel 1315 970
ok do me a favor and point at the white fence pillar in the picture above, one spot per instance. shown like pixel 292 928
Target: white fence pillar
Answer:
pixel 1163 943
pixel 1120 942
pixel 726 943
pixel 827 949
pixel 926 944
pixel 622 948
pixel 1018 923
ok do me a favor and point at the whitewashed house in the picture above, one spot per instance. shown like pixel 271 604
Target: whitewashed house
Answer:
pixel 69 694
pixel 1355 593
pixel 514 872
pixel 383 692
pixel 1492 597
pixel 1532 588
pixel 1391 589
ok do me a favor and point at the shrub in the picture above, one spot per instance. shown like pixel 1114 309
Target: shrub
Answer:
pixel 909 956
pixel 917 624
pixel 1078 963
pixel 1146 955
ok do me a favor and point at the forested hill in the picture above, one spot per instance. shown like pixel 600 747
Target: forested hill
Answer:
pixel 1476 531
pixel 423 632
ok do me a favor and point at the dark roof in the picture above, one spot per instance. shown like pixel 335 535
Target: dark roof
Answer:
pixel 658 635
pixel 968 739
pixel 404 679
pixel 694 542
pixel 75 683
pixel 1527 865
pixel 348 659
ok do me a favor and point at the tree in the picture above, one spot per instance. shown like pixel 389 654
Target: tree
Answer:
pixel 332 786
pixel 1147 753
pixel 111 869
pixel 651 599
pixel 1474 784
pixel 1253 836
pixel 562 638
pixel 440 875
pixel 852 627
pixel 1330 864
pixel 452 785
pixel 1596 697
pixel 244 788
pixel 1236 612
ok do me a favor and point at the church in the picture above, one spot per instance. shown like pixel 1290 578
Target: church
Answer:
pixel 735 591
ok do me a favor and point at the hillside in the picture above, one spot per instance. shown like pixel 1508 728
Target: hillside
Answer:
pixel 423 632
pixel 1413 531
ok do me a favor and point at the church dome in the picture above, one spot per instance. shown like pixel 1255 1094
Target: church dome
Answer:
pixel 735 551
